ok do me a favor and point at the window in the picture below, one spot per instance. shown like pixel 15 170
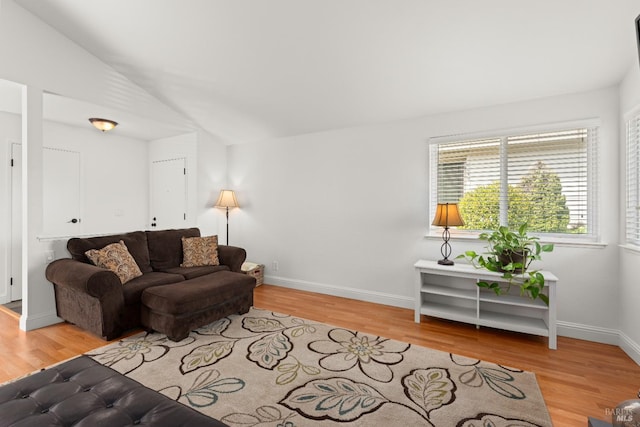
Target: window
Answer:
pixel 632 211
pixel 546 179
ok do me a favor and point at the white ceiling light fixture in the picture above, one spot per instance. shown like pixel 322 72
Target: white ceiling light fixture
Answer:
pixel 103 124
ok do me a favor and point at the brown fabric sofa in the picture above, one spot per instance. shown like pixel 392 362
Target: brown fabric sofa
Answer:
pixel 94 299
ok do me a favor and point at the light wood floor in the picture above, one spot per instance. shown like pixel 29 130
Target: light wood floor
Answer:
pixel 578 380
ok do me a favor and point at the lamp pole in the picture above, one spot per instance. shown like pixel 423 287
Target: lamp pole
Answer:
pixel 227 225
pixel 227 199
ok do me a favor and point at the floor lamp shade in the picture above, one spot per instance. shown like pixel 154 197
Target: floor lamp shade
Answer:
pixel 227 199
pixel 447 215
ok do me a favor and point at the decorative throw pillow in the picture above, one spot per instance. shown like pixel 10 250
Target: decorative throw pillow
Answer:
pixel 199 251
pixel 115 257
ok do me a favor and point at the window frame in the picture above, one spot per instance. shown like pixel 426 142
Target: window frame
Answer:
pixel 631 173
pixel 592 237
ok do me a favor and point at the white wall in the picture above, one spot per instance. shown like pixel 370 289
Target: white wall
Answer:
pixel 211 178
pixel 33 53
pixel 114 174
pixel 114 183
pixel 629 259
pixel 39 57
pixel 345 212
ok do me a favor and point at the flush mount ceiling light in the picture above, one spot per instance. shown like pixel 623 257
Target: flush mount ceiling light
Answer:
pixel 103 124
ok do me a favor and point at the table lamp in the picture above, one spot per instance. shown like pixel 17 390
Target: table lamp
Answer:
pixel 447 215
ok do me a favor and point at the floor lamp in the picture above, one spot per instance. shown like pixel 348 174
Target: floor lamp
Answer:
pixel 227 199
pixel 447 215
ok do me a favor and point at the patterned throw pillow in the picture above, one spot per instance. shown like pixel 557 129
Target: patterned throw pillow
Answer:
pixel 115 257
pixel 199 251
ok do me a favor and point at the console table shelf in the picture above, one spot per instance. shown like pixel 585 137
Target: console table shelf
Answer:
pixel 451 292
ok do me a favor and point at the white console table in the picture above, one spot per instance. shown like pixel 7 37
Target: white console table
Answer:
pixel 450 292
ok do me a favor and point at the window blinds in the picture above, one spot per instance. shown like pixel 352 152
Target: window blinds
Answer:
pixel 632 211
pixel 543 179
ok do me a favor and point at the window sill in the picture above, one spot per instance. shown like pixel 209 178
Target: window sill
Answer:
pixel 557 241
pixel 631 248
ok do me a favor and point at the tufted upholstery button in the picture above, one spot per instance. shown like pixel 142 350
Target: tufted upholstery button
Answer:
pixel 57 396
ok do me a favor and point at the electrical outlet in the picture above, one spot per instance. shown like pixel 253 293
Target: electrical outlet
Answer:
pixel 274 265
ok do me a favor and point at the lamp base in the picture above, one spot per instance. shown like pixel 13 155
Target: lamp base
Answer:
pixel 445 262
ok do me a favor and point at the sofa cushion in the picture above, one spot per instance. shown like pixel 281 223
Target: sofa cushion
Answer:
pixel 133 290
pixel 193 272
pixel 198 294
pixel 135 241
pixel 115 257
pixel 165 247
pixel 199 251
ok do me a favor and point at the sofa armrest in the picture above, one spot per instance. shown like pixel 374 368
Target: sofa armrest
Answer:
pixel 82 277
pixel 88 296
pixel 232 256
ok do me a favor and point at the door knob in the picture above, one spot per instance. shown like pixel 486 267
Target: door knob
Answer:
pixel 74 220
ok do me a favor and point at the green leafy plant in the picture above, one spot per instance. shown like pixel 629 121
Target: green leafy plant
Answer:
pixel 511 253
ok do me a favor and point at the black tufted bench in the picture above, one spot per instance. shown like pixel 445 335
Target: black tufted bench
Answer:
pixel 83 393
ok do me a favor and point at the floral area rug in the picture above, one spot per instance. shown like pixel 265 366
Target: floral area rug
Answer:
pixel 270 369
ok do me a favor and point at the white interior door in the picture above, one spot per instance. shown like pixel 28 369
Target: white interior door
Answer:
pixel 168 193
pixel 16 223
pixel 61 203
pixel 61 192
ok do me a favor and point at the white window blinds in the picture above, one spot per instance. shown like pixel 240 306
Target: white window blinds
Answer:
pixel 545 179
pixel 632 211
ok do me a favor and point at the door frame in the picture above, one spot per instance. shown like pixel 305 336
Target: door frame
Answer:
pixel 6 297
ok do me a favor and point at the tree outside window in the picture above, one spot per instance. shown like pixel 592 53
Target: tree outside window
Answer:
pixel 541 179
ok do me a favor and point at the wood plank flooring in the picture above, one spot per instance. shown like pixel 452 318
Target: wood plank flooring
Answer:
pixel 581 379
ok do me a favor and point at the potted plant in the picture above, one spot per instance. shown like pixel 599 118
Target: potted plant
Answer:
pixel 511 253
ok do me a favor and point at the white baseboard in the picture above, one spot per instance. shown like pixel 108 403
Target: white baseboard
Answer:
pixel 341 291
pixel 630 347
pixel 588 332
pixel 565 329
pixel 40 320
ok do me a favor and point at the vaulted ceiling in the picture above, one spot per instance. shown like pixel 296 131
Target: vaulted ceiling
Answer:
pixel 249 70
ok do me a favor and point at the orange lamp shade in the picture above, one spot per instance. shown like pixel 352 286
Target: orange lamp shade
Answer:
pixel 447 215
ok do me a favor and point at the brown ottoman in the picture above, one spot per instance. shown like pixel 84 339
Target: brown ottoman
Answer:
pixel 179 308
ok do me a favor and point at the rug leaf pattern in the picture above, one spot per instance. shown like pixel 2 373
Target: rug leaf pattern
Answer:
pixel 429 388
pixel 270 350
pixel 339 399
pixel 208 385
pixel 206 355
pixel 270 369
